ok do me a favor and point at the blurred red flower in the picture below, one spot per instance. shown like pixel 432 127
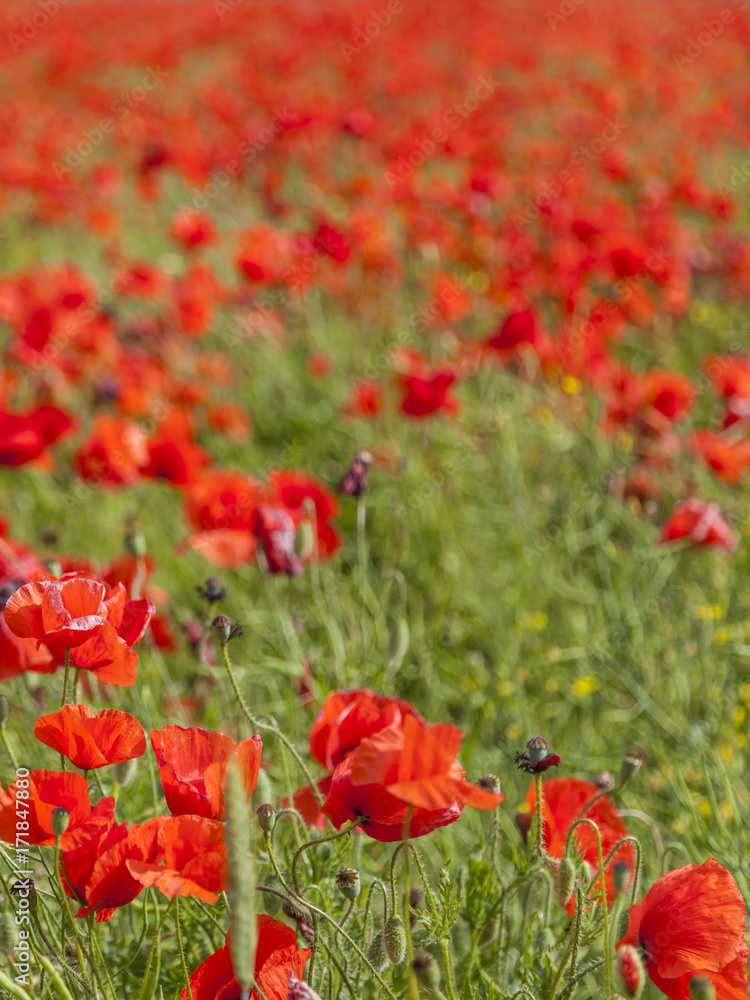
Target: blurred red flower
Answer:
pixel 195 862
pixel 701 523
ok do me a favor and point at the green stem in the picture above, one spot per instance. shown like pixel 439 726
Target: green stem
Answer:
pixel 413 988
pixel 185 973
pixel 155 940
pixel 66 675
pixel 6 744
pixel 268 727
pixel 538 846
pixel 605 912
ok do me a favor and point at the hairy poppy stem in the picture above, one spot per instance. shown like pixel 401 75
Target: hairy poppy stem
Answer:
pixel 538 846
pixel 605 914
pixel 185 972
pixel 268 727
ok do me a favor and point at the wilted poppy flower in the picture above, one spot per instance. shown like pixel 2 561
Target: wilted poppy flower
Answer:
pixel 276 958
pixel 90 740
pixel 691 922
pixel 24 438
pixel 195 859
pixel 417 764
pixel 276 532
pixel 563 801
pixel 47 791
pixel 193 764
pixel 347 717
pixel 106 882
pixel 382 815
pixel 701 523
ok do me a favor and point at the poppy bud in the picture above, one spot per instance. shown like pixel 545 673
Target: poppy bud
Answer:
pixel 376 953
pixel 426 970
pixel 3 711
pixel 630 973
pixel 355 480
pixel 585 874
pixel 212 590
pixel 701 988
pixel 263 792
pixel 60 820
pixel 395 939
pixel 304 543
pixel 135 544
pixel 564 880
pixel 490 783
pixel 24 888
pixel 348 882
pixel 538 749
pixel 621 872
pixel 124 771
pixel 266 818
pixel 631 764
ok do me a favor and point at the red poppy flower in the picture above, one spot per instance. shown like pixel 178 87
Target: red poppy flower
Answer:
pixel 701 523
pixel 195 859
pixel 517 328
pixel 417 764
pixel 24 438
pixel 730 460
pixel 276 957
pixel 192 229
pixel 425 396
pixel 99 832
pixel 107 883
pixel 113 452
pixel 691 922
pixel 563 800
pixel 347 717
pixel 232 420
pixel 365 401
pixel 294 491
pixel 172 456
pixel 90 740
pixel 668 393
pixel 193 764
pixel 46 790
pixel 383 814
pixel 223 506
pixel 80 614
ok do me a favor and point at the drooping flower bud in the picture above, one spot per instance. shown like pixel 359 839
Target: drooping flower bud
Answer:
pixel 630 972
pixel 621 875
pixel 426 970
pixel 348 882
pixel 60 820
pixel 604 781
pixel 266 818
pixel 395 939
pixel 565 880
pixel 376 953
pixel 701 988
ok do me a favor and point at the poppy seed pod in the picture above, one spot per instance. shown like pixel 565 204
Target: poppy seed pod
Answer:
pixel 60 820
pixel 394 934
pixel 212 590
pixel 266 818
pixel 348 882
pixel 630 972
pixel 701 988
pixel 630 766
pixel 538 749
pixel 490 783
